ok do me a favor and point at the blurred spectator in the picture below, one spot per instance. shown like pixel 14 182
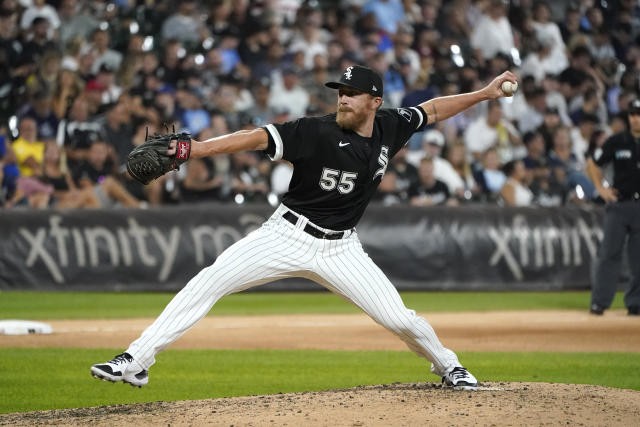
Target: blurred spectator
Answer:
pixel 65 194
pixel 493 33
pixel 388 13
pixel 432 145
pixel 548 35
pixel 547 190
pixel 491 131
pixel 567 169
pixel 29 151
pixel 324 100
pixel 40 9
pixel 68 87
pixel 261 113
pixel 457 157
pixel 581 135
pixel 184 25
pixel 551 122
pixel 429 191
pixel 515 191
pixel 399 178
pixel 96 173
pixel 103 89
pixel 41 111
pixel 592 105
pixel 536 105
pixel 201 183
pixel 287 93
pixel 79 132
pixel 489 177
pixel 311 39
pixel 9 171
pixel 248 182
pixel 117 131
pixel 38 40
pixel 74 21
pixel 106 59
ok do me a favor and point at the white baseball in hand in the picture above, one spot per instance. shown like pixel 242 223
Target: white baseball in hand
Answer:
pixel 509 88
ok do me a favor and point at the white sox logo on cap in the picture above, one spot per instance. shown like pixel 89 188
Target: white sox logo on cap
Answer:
pixel 347 74
pixel 361 78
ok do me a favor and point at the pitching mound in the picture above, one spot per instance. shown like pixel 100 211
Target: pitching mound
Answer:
pixel 396 404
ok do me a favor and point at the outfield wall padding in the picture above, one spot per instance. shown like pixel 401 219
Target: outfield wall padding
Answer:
pixel 159 249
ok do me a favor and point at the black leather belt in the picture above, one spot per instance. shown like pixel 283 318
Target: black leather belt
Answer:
pixel 310 229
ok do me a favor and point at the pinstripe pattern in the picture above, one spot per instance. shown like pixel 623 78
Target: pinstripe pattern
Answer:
pixel 274 251
pixel 278 250
pixel 346 269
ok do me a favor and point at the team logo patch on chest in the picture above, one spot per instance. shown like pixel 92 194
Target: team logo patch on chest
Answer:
pixel 623 154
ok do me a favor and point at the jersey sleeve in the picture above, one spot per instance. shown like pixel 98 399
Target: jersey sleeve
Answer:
pixel 406 122
pixel 286 139
pixel 604 154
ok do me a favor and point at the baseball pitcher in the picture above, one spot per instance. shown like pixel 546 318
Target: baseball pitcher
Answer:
pixel 339 161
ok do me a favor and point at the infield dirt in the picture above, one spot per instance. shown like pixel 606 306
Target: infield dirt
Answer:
pixel 385 405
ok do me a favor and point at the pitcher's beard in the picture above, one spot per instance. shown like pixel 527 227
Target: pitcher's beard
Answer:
pixel 350 120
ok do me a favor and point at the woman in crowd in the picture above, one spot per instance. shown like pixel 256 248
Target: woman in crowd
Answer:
pixel 515 191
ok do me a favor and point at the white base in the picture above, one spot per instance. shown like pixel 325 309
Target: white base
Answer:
pixel 23 327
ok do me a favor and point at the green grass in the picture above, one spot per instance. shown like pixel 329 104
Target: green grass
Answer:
pixel 87 305
pixel 48 378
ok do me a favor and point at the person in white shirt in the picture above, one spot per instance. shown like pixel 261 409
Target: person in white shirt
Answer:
pixel 432 144
pixel 493 32
pixel 492 131
pixel 287 93
pixel 40 9
pixel 548 33
pixel 515 191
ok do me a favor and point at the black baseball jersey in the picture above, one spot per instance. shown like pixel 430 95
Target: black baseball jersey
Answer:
pixel 336 171
pixel 623 151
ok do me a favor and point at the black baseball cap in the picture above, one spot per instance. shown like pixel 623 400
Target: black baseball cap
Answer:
pixel 634 106
pixel 361 78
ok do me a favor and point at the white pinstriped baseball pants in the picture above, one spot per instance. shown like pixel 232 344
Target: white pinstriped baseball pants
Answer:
pixel 277 250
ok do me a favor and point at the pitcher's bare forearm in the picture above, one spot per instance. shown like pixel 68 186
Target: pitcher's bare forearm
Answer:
pixel 243 140
pixel 448 106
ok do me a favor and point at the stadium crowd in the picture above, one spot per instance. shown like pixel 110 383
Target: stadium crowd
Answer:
pixel 82 82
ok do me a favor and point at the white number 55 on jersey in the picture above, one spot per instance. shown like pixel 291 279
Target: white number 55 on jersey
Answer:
pixel 332 178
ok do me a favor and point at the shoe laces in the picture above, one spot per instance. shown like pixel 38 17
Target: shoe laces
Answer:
pixel 458 373
pixel 121 358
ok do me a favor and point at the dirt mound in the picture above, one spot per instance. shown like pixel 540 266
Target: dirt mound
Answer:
pixel 383 405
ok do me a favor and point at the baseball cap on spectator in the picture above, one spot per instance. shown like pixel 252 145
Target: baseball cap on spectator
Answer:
pixel 166 88
pixel 361 78
pixel 634 107
pixel 551 110
pixel 264 81
pixel 589 117
pixel 434 136
pixel 404 60
pixel 290 70
pixel 105 68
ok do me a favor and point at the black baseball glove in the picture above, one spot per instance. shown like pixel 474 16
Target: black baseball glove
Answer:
pixel 151 159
